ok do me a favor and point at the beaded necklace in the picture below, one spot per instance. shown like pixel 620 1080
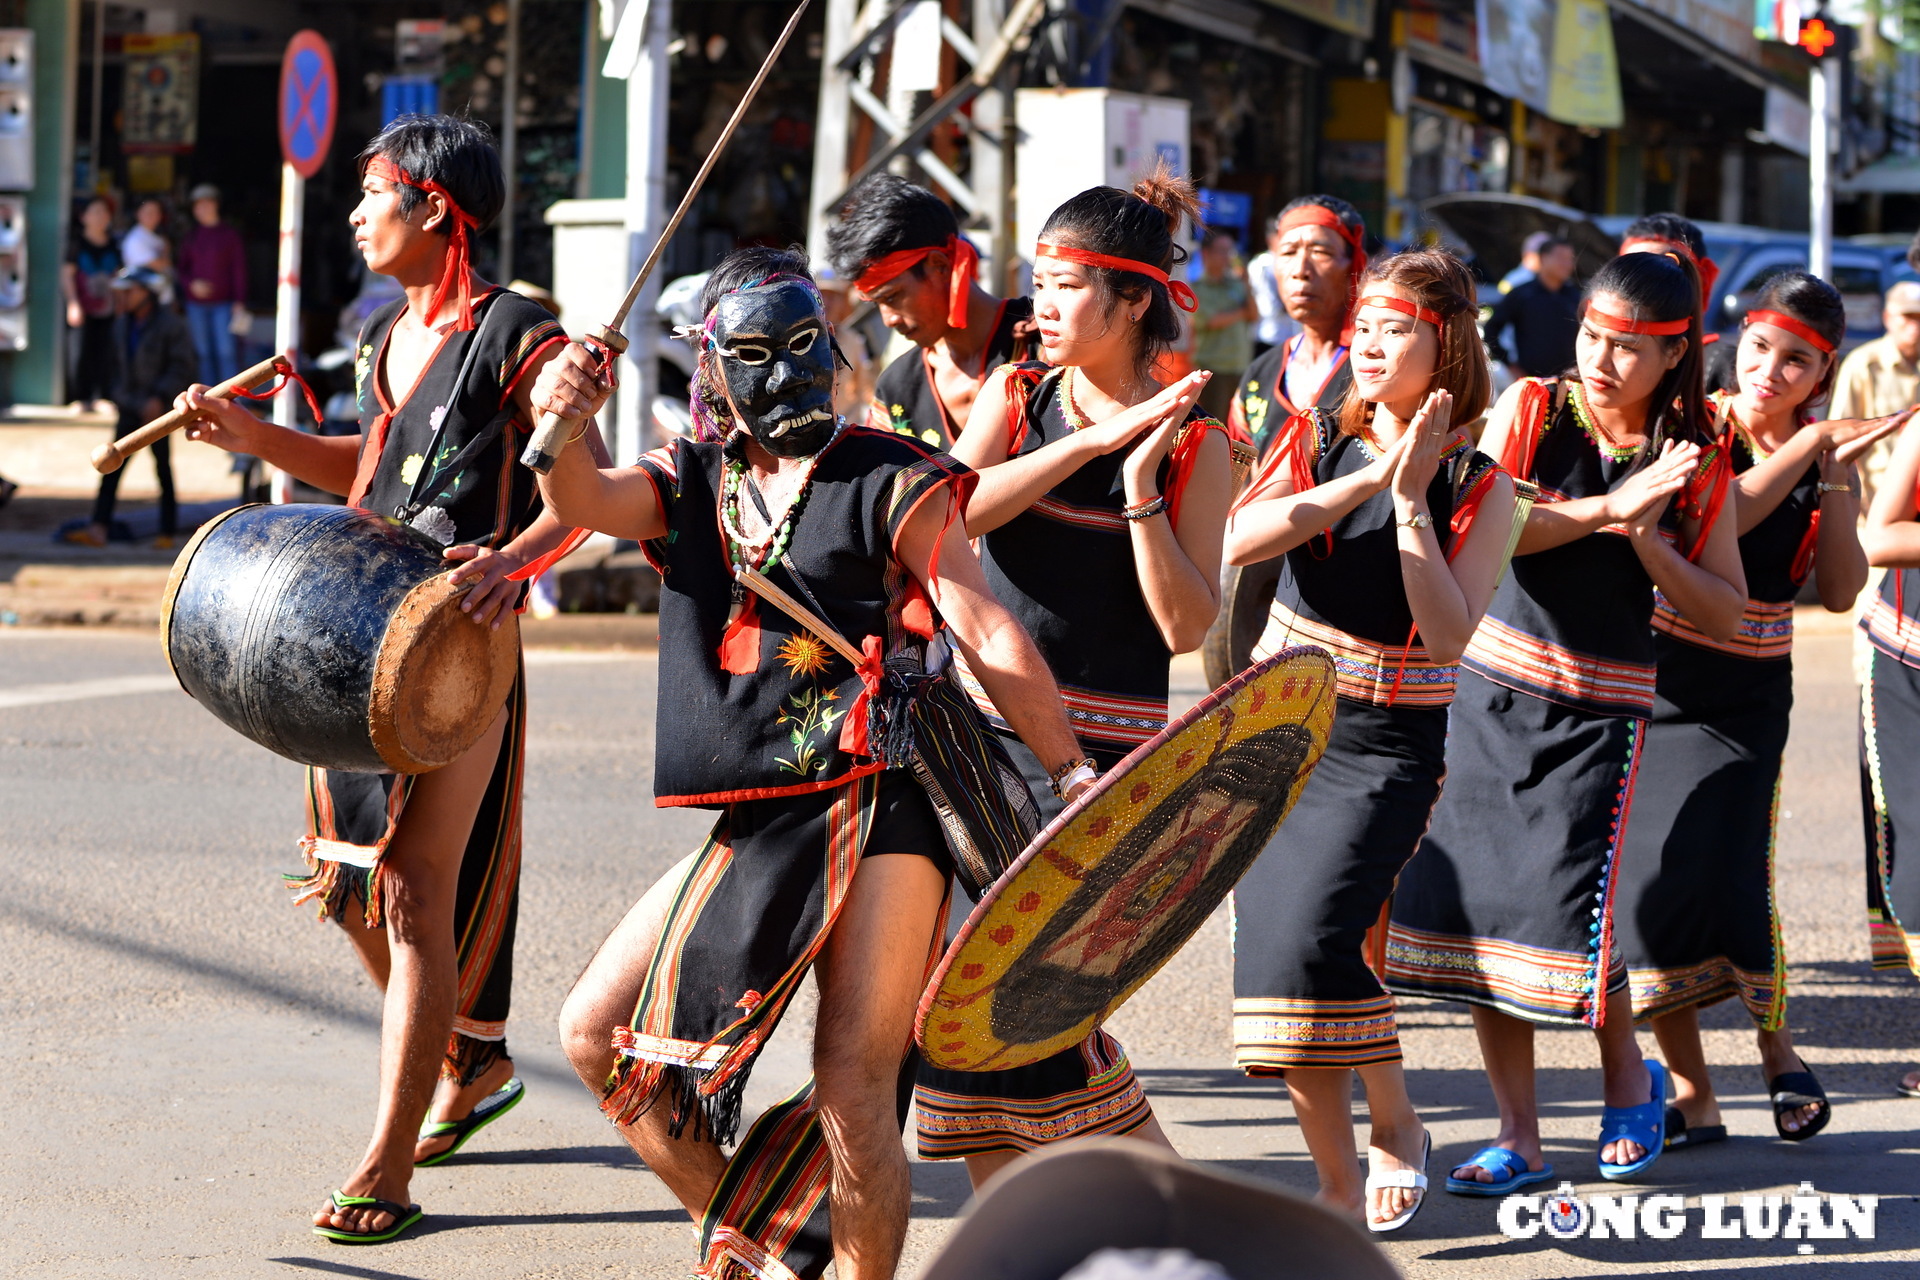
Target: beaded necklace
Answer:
pixel 1601 440
pixel 764 552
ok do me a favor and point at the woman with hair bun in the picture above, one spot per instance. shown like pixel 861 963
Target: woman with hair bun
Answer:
pixel 1699 923
pixel 1394 532
pixel 1099 513
pixel 1508 905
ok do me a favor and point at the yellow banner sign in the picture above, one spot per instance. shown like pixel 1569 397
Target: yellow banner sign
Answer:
pixel 1585 88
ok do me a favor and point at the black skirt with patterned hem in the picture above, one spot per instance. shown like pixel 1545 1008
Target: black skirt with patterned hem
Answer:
pixel 1696 917
pixel 1889 761
pixel 1304 991
pixel 1508 903
pixel 1087 1091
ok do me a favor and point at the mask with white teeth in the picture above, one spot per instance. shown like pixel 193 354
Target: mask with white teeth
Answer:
pixel 775 355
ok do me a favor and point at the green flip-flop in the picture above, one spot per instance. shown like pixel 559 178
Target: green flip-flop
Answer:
pixel 489 1109
pixel 404 1216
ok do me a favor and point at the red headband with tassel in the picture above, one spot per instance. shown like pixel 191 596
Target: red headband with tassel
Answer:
pixel 1659 328
pixel 1708 269
pixel 1404 307
pixel 1318 215
pixel 1792 326
pixel 966 265
pixel 1182 292
pixel 455 279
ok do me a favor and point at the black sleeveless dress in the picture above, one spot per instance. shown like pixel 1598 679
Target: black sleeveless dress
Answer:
pixel 1305 991
pixel 1509 901
pixel 442 455
pixel 1698 922
pixel 904 398
pixel 1889 762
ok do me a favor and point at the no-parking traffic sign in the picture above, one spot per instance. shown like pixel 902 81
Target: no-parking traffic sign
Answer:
pixel 309 102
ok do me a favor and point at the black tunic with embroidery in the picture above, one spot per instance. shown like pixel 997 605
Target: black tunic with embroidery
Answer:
pixel 782 729
pixel 1065 568
pixel 904 399
pixel 1260 405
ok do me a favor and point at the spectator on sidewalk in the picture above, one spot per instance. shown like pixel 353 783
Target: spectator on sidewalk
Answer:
pixel 1529 267
pixel 1882 377
pixel 213 271
pixel 154 362
pixel 1222 333
pixel 145 245
pixel 87 280
pixel 1544 314
pixel 1263 277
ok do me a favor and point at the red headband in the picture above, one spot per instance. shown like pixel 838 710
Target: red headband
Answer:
pixel 1181 291
pixel 1709 271
pixel 1792 326
pixel 1318 215
pixel 454 279
pixel 966 264
pixel 1659 328
pixel 1404 307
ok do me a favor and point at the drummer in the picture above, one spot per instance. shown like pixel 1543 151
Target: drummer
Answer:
pixel 423 872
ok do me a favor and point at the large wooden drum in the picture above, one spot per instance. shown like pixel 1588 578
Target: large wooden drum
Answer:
pixel 331 636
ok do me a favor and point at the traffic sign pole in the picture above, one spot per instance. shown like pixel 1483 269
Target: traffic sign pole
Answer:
pixel 1823 92
pixel 286 312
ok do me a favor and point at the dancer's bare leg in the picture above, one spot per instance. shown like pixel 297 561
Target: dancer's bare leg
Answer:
pixel 1678 1035
pixel 1777 1057
pixel 1506 1048
pixel 870 974
pixel 602 999
pixel 1323 1105
pixel 1625 1081
pixel 420 876
pixel 1395 1140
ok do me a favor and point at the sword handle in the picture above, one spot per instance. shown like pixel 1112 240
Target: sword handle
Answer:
pixel 551 432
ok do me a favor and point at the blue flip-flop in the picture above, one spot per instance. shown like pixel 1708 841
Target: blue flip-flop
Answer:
pixel 1497 1160
pixel 1645 1124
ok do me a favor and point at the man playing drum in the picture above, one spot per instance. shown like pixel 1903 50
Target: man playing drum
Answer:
pixel 764 720
pixel 423 871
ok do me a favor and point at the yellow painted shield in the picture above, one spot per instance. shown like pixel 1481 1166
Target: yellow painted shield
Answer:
pixel 1118 883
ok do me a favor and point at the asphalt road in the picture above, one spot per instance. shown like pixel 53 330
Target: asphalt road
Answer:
pixel 189 1061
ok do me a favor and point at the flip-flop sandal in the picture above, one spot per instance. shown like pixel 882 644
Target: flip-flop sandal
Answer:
pixel 1680 1135
pixel 404 1216
pixel 1904 1089
pixel 1791 1090
pixel 1497 1160
pixel 1388 1178
pixel 1645 1124
pixel 484 1113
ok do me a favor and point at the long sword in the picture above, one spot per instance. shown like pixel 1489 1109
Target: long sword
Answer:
pixel 549 437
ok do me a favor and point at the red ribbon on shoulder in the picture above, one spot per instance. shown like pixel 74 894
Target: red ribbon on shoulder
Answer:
pixel 966 265
pixel 1318 215
pixel 454 279
pixel 1180 290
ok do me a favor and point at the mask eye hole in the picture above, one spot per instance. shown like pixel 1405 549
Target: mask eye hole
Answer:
pixel 802 342
pixel 748 353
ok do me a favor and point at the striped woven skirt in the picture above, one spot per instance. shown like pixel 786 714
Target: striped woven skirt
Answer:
pixel 1889 766
pixel 1696 914
pixel 1305 990
pixel 1083 1092
pixel 350 819
pixel 1508 903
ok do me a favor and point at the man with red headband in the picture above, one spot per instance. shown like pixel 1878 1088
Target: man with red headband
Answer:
pixel 423 872
pixel 1319 251
pixel 901 246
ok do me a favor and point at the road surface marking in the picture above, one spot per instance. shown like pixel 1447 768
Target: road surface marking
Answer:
pixel 36 695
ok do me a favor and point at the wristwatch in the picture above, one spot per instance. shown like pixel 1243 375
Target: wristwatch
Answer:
pixel 1418 520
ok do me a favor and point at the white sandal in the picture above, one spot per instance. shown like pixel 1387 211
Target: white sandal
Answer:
pixel 1416 1181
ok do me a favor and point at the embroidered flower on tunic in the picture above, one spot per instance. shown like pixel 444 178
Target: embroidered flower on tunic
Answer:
pixel 804 654
pixel 410 469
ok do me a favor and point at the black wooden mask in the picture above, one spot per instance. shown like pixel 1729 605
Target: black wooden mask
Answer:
pixel 775 355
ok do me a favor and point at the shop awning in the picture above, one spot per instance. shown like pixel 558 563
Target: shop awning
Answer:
pixel 1889 175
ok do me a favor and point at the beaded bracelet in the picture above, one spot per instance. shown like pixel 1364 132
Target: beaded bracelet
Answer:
pixel 1070 775
pixel 1144 510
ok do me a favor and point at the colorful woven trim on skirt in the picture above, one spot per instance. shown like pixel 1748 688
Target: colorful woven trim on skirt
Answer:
pixel 1657 992
pixel 1533 983
pixel 1271 1034
pixel 951 1125
pixel 1097 717
pixel 1364 671
pixel 1765 634
pixel 1509 656
pixel 1891 631
pixel 1892 946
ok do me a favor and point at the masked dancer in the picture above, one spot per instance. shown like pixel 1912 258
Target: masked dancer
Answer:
pixel 902 246
pixel 1508 904
pixel 1890 720
pixel 1394 531
pixel 821 857
pixel 1698 921
pixel 423 872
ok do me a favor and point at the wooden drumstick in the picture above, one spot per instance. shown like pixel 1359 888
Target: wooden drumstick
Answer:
pixel 109 457
pixel 757 582
pixel 606 341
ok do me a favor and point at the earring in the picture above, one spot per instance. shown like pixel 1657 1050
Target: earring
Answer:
pixel 1133 319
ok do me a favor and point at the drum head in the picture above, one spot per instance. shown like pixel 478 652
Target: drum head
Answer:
pixel 1120 881
pixel 439 678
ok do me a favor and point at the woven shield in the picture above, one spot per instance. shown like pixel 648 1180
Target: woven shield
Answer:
pixel 1117 884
